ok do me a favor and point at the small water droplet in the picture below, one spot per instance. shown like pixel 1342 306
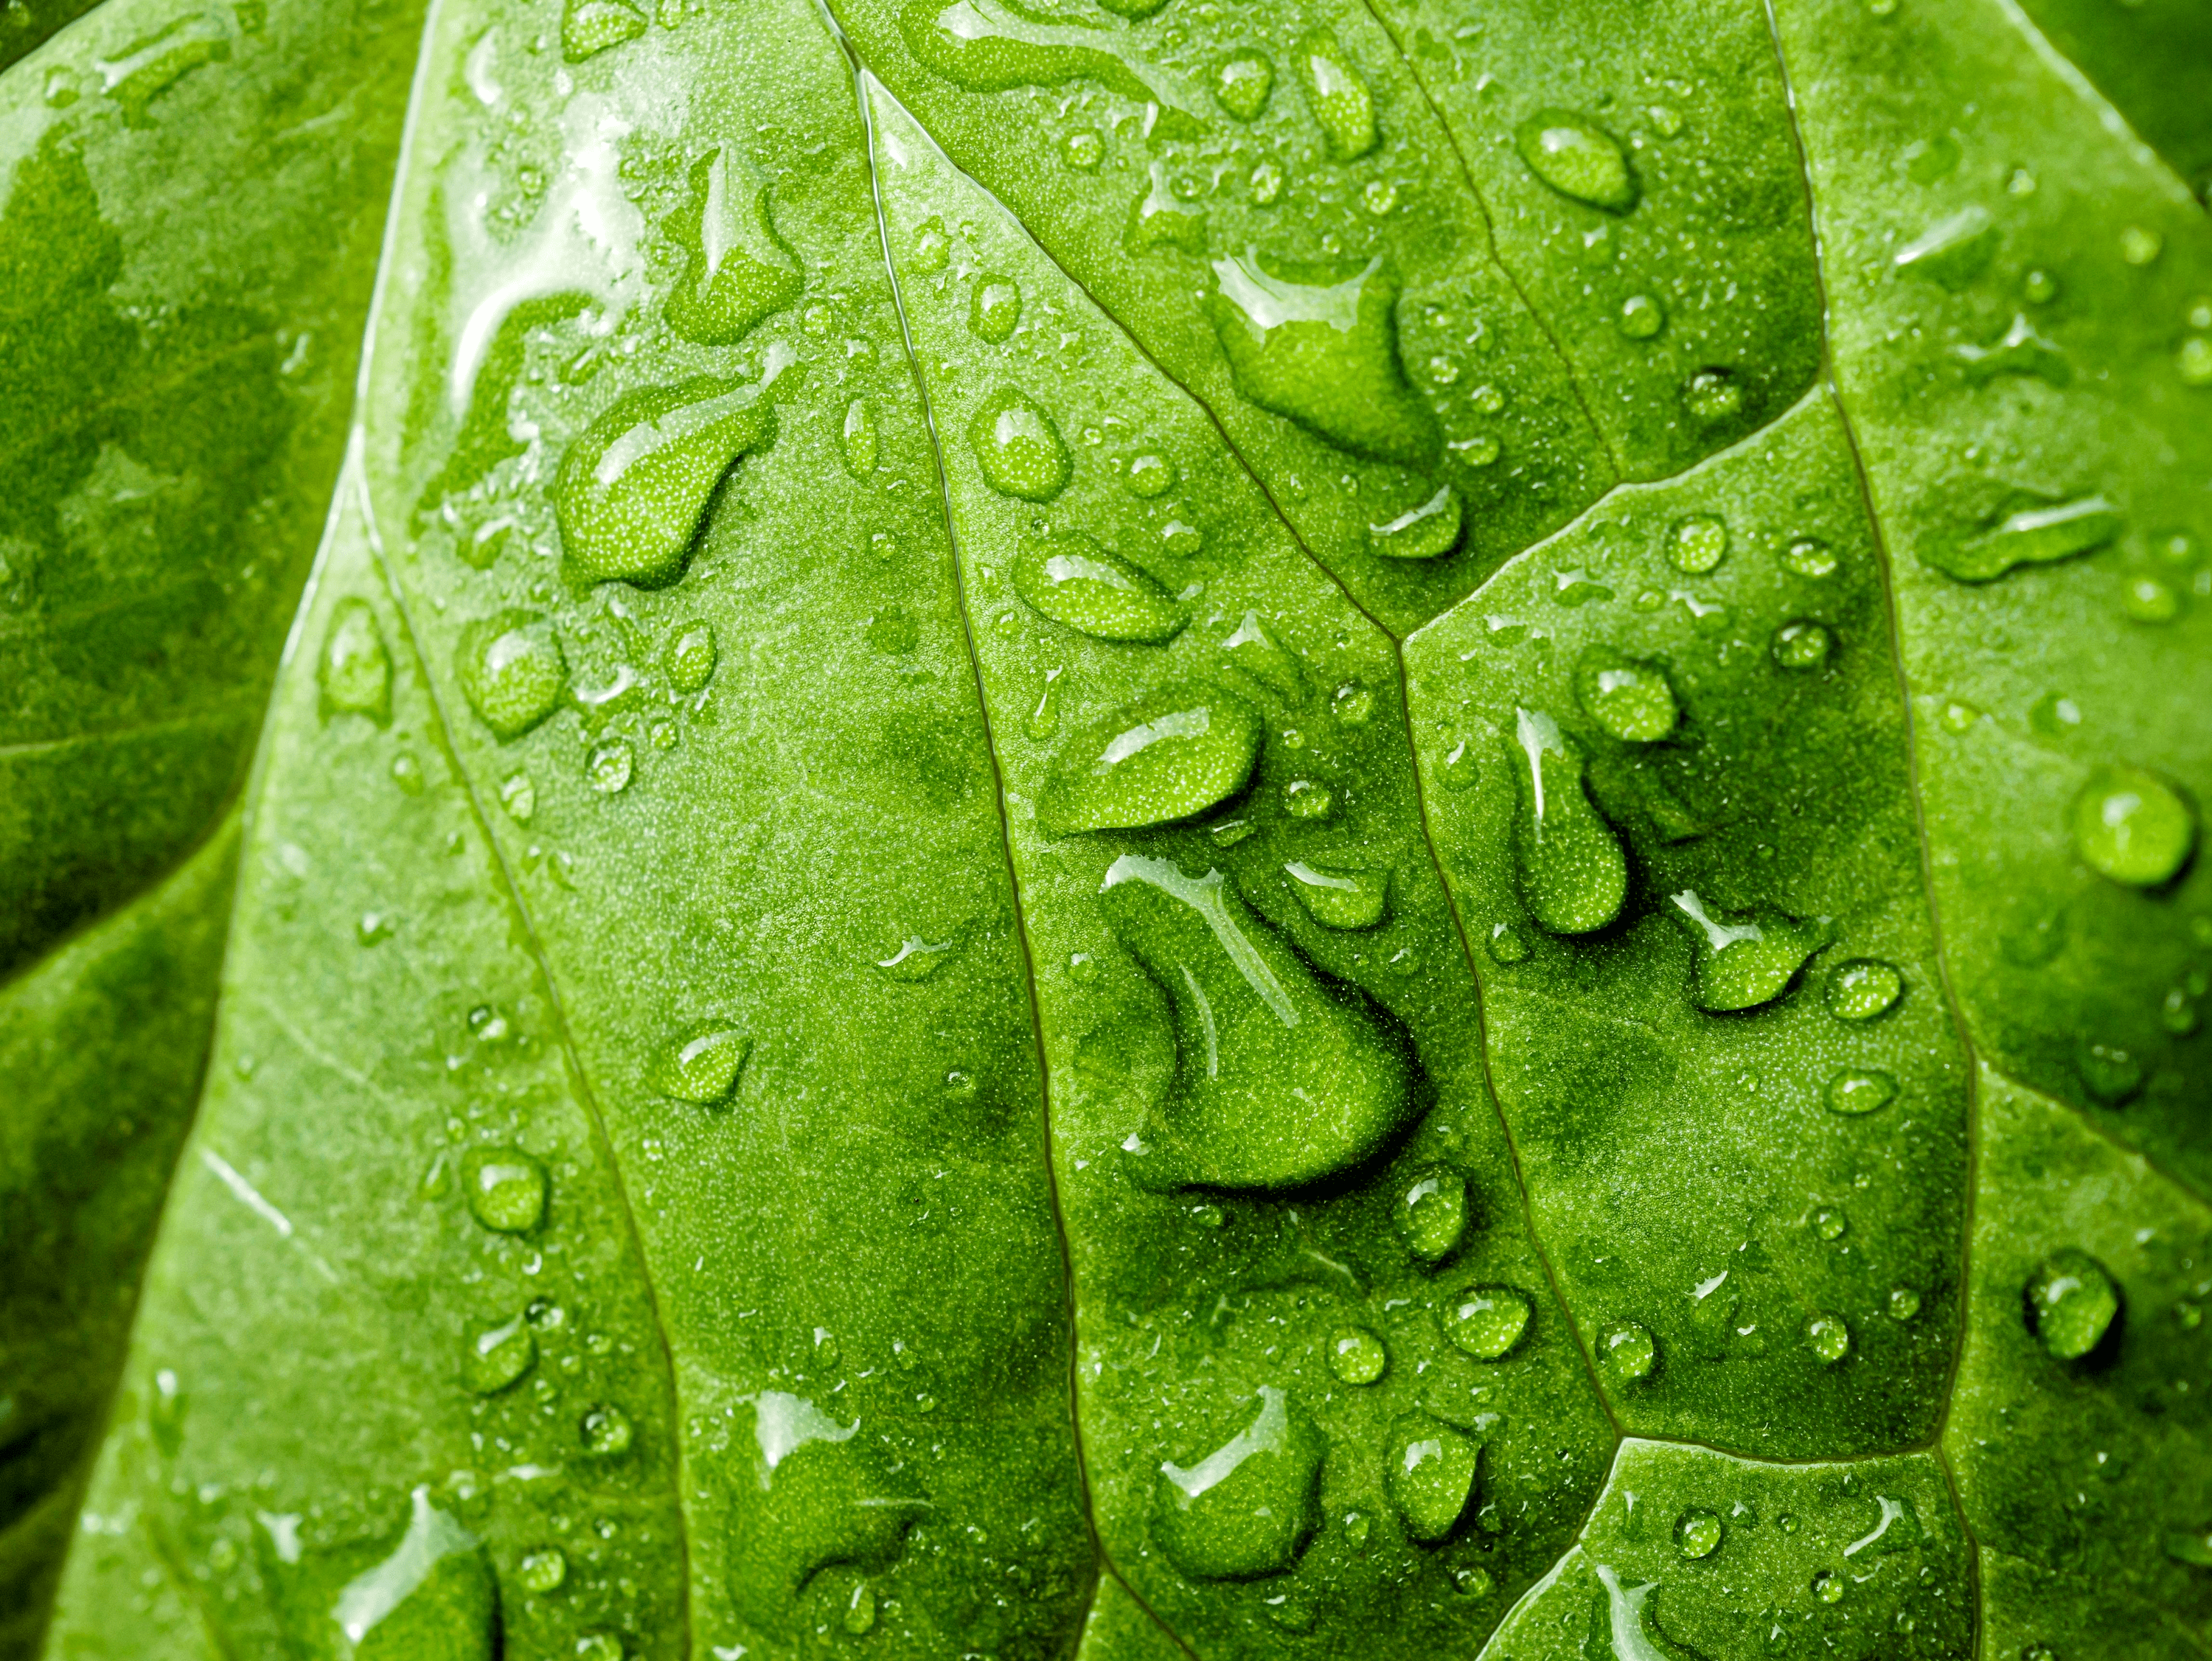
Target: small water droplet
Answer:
pixel 1304 798
pixel 1698 544
pixel 1577 158
pixel 1151 475
pixel 1573 875
pixel 737 270
pixel 1748 961
pixel 1352 704
pixel 506 1189
pixel 1337 95
pixel 916 959
pixel 1808 556
pixel 1697 1533
pixel 1904 1303
pixel 1802 645
pixel 932 249
pixel 1018 448
pixel 859 1616
pixel 1953 251
pixel 543 1570
pixel 511 671
pixel 1828 1586
pixel 861 442
pixel 1341 897
pixel 1486 1322
pixel 1830 1223
pixel 518 796
pixel 497 1355
pixel 1628 1352
pixel 1828 1338
pixel 1630 700
pixel 1043 719
pixel 1853 1091
pixel 1169 754
pixel 1430 1469
pixel 354 668
pixel 2140 246
pixel 1427 530
pixel 609 766
pixel 2112 1074
pixel 1862 988
pixel 1357 1356
pixel 2071 1303
pixel 605 1432
pixel 1084 149
pixel 1432 1217
pixel 1242 82
pixel 1641 317
pixel 701 1066
pixel 2132 827
pixel 598 1647
pixel 1508 943
pixel 1712 396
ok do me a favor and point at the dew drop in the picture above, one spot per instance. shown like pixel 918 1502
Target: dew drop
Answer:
pixel 1431 1470
pixel 691 657
pixel 932 249
pixel 1853 1091
pixel 702 1065
pixel 1151 475
pixel 1083 149
pixel 993 308
pixel 1829 1222
pixel 353 667
pixel 1641 317
pixel 2132 827
pixel 1352 704
pixel 1628 1352
pixel 1337 95
pixel 2034 536
pixel 1573 873
pixel 1340 898
pixel 1828 1338
pixel 1074 582
pixel 1246 1508
pixel 506 1189
pixel 1171 754
pixel 1631 700
pixel 861 442
pixel 543 1570
pixel 1508 943
pixel 2140 246
pixel 605 1432
pixel 1242 82
pixel 497 1355
pixel 1954 251
pixel 1904 1303
pixel 609 766
pixel 1802 645
pixel 1747 961
pixel 2071 1303
pixel 1712 396
pixel 1305 798
pixel 511 671
pixel 1828 1586
pixel 1697 544
pixel 737 271
pixel 1431 1216
pixel 1043 719
pixel 1577 158
pixel 1486 1322
pixel 1808 556
pixel 2111 1073
pixel 1427 531
pixel 588 28
pixel 1862 988
pixel 1357 1356
pixel 1018 448
pixel 1697 1533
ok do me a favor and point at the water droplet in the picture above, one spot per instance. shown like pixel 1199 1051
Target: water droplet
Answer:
pixel 1340 898
pixel 497 1355
pixel 1854 1090
pixel 353 667
pixel 1352 704
pixel 1927 160
pixel 2193 360
pixel 1828 1586
pixel 987 47
pixel 1076 583
pixel 1457 770
pixel 609 766
pixel 1084 149
pixel 1577 158
pixel 1260 655
pixel 1641 317
pixel 1322 349
pixel 1431 1470
pixel 1304 798
pixel 1747 962
pixel 1628 1352
pixel 1573 874
pixel 165 1413
pixel 543 1570
pixel 1246 1508
pixel 737 270
pixel 2036 536
pixel 1357 1356
pixel 2071 1303
pixel 598 1647
pixel 2132 827
pixel 690 658
pixel 518 796
pixel 633 488
pixel 1830 1223
pixel 61 88
pixel 2140 246
pixel 1808 556
pixel 1432 1217
pixel 2111 1073
pixel 2039 287
pixel 1242 82
pixel 1277 1081
pixel 1424 532
pixel 1171 754
pixel 1337 96
pixel 2020 352
pixel 1712 396
pixel 1151 475
pixel 2177 1011
pixel 993 308
pixel 1045 718
pixel 861 443
pixel 1697 544
pixel 1828 1338
pixel 605 1432
pixel 1486 1322
pixel 1802 646
pixel 1953 251
pixel 153 63
pixel 1159 218
pixel 506 1189
pixel 1378 197
pixel 1862 988
pixel 511 671
pixel 859 1616
pixel 702 1065
pixel 1018 448
pixel 588 28
pixel 1904 1303
pixel 1697 1533
pixel 1508 943
pixel 1631 700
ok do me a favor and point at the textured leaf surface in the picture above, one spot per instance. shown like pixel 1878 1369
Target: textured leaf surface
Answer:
pixel 1106 831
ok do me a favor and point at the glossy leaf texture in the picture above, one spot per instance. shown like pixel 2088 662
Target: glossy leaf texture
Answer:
pixel 1105 830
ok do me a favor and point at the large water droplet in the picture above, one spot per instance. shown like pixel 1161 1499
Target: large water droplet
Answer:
pixel 1430 1469
pixel 1242 82
pixel 354 668
pixel 1018 448
pixel 1322 349
pixel 511 670
pixel 1281 1079
pixel 1486 1322
pixel 1357 1356
pixel 1627 1352
pixel 2033 535
pixel 1577 158
pixel 1864 988
pixel 1431 1216
pixel 988 47
pixel 690 658
pixel 1573 874
pixel 1427 531
pixel 1340 898
pixel 2132 827
pixel 1337 96
pixel 703 1064
pixel 506 1189
pixel 2071 1303
pixel 737 271
pixel 632 490
pixel 497 1355
pixel 1073 581
pixel 1630 700
pixel 588 28
pixel 1743 963
pixel 434 1598
pixel 1697 1533
pixel 1246 1507
pixel 1173 753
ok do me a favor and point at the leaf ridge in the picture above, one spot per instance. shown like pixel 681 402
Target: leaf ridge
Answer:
pixel 354 478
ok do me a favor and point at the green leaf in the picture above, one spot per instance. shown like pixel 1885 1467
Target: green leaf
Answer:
pixel 971 828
